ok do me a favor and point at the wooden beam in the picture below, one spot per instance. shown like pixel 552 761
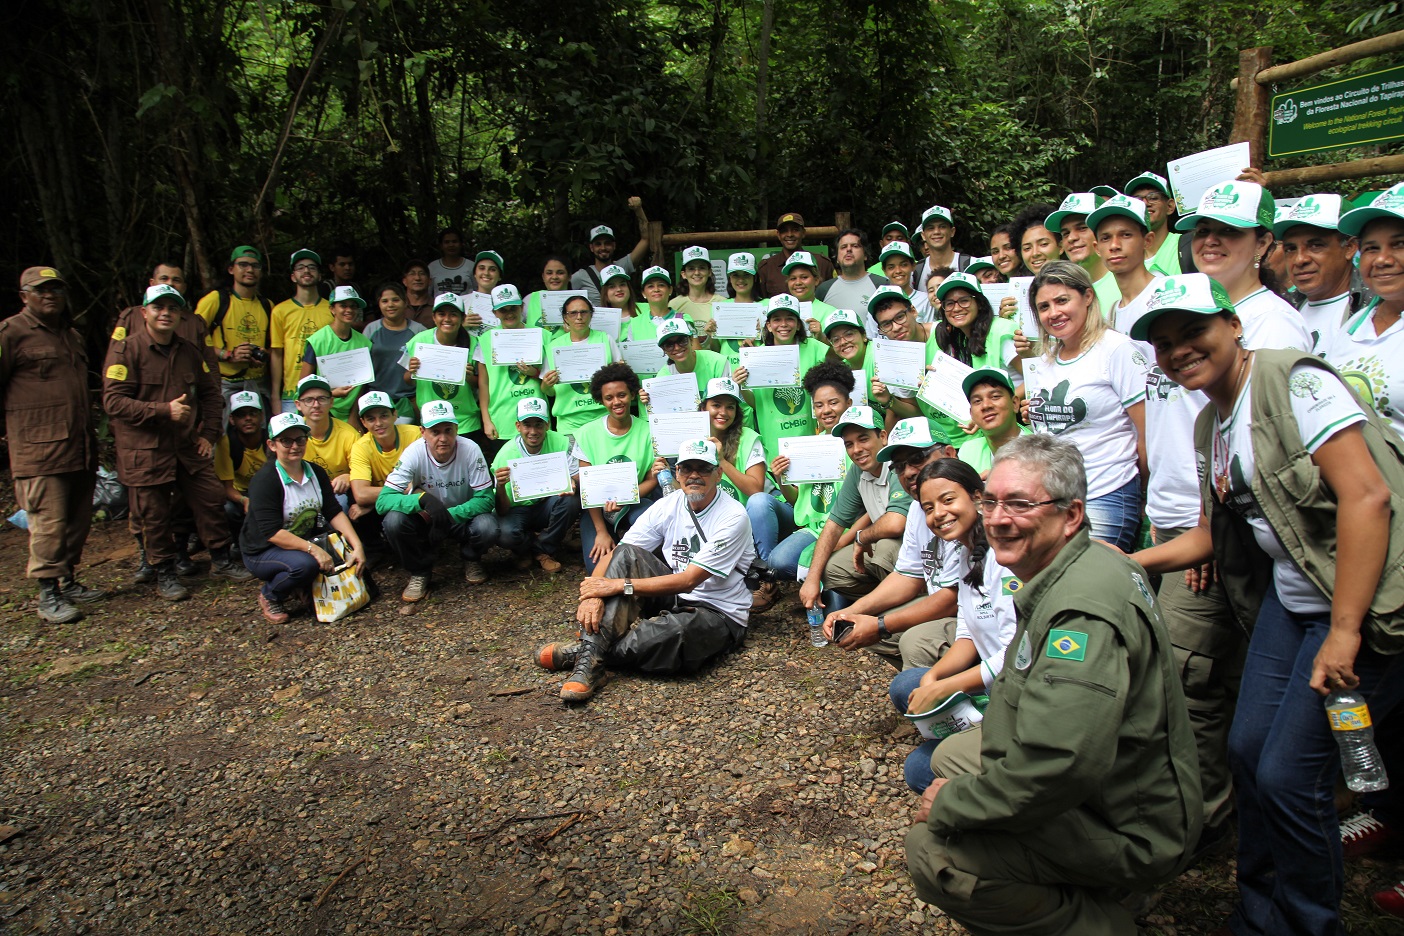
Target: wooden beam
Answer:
pixel 729 238
pixel 1379 45
pixel 1252 104
pixel 655 242
pixel 1356 169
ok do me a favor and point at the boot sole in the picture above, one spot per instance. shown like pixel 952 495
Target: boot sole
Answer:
pixel 60 619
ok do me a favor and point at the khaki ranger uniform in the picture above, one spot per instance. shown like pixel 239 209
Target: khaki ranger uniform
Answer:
pixel 53 450
pixel 155 456
pixel 1088 780
pixel 190 327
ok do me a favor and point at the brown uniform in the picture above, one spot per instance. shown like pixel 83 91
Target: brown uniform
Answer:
pixel 776 283
pixel 191 327
pixel 46 418
pixel 155 455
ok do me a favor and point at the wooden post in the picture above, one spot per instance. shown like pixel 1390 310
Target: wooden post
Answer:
pixel 843 219
pixel 1252 108
pixel 655 242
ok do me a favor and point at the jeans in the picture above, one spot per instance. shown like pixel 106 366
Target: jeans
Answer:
pixel 627 517
pixel 771 518
pixel 785 558
pixel 917 770
pixel 1116 517
pixel 412 539
pixel 540 526
pixel 284 571
pixel 1285 764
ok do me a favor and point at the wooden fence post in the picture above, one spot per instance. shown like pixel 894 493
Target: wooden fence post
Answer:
pixel 655 241
pixel 1253 104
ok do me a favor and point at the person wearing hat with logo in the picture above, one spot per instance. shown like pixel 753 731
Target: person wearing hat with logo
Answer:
pixel 388 335
pixel 533 531
pixel 666 615
pixel 238 321
pixel 853 285
pixel 741 286
pixel 439 489
pixel 676 340
pixel 602 246
pixel 487 271
pixel 191 327
pixel 969 331
pixel 739 446
pixel 47 423
pixel 894 319
pixel 1162 243
pixel 898 265
pixel 848 341
pixel 892 231
pixel 907 619
pixel 450 273
pixel 348 309
pixel 291 503
pixel 697 290
pixel 291 323
pixel 656 309
pixel 618 293
pixel 239 453
pixel 1084 786
pixel 938 233
pixel 984 270
pixel 1320 260
pixel 784 411
pixel 802 278
pixel 574 407
pixel 1120 226
pixel 164 407
pixel 502 386
pixel 994 410
pixel 789 231
pixel 1079 242
pixel 329 439
pixel 1289 460
pixel 373 456
pixel 448 331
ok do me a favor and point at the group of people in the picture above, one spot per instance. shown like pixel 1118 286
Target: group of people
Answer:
pixel 1120 546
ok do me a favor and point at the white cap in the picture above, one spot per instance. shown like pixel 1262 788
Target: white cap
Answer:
pixel 1320 211
pixel 504 296
pixel 346 294
pixel 741 262
pixel 704 450
pixel 245 399
pixel 799 258
pixel 1237 204
pixel 373 399
pixel 652 273
pixel 531 408
pixel 283 422
pixel 722 386
pixel 613 271
pixel 696 253
pixel 601 230
pixel 435 412
pixel 672 327
pixel 453 300
pixel 162 289
pixel 900 248
pixel 936 213
pixel 783 303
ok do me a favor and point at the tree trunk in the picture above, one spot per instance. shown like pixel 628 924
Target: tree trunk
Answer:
pixel 762 141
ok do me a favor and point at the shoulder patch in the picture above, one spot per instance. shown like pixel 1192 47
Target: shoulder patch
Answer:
pixel 117 372
pixel 119 333
pixel 1067 645
pixel 1141 585
pixel 205 366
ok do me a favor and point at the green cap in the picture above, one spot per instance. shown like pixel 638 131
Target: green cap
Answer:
pixel 843 317
pixel 799 258
pixel 896 226
pixel 162 289
pixel 1153 180
pixel 1121 206
pixel 1078 203
pixel 245 250
pixel 492 255
pixel 671 328
pixel 304 254
pixel 311 382
pixel 985 375
pixel 981 263
pixel 917 432
pixel 936 213
pixel 504 296
pixel 1188 292
pixel 1387 204
pixel 884 293
pixel 895 249
pixel 862 416
pixel 613 272
pixel 961 281
pixel 653 273
pixel 1319 211
pixel 1237 204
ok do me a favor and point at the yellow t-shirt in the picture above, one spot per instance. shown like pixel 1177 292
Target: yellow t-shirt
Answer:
pixel 291 323
pixel 252 460
pixel 245 322
pixel 369 463
pixel 334 452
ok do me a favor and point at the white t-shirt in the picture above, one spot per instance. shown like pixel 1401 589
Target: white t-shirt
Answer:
pixel 852 295
pixel 302 502
pixel 1372 365
pixel 581 279
pixel 1324 320
pixel 727 551
pixel 453 482
pixel 921 303
pixel 1126 314
pixel 1086 399
pixel 1172 494
pixel 457 280
pixel 986 615
pixel 1270 322
pixel 923 556
pixel 1322 407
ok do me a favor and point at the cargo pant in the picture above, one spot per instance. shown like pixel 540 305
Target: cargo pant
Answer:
pixel 60 511
pixel 155 511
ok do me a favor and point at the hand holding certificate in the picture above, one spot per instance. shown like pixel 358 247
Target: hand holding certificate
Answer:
pixel 553 302
pixel 1192 176
pixel 813 459
pixel 577 363
pixel 347 368
pixel 516 346
pixel 771 366
pixel 671 430
pixel 673 393
pixel 538 476
pixel 645 357
pixel 942 387
pixel 738 319
pixel 446 364
pixel 600 484
pixel 609 321
pixel 480 304
pixel 1028 318
pixel 899 363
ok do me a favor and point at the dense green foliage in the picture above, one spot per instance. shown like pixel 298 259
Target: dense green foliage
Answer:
pixel 150 128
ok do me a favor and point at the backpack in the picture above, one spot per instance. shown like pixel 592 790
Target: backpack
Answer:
pixel 216 323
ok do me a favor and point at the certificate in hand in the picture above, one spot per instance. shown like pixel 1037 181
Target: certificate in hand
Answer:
pixel 813 459
pixel 771 365
pixel 1192 176
pixel 553 302
pixel 899 363
pixel 600 484
pixel 516 346
pixel 577 363
pixel 738 319
pixel 996 293
pixel 537 476
pixel 347 368
pixel 859 396
pixel 481 304
pixel 645 357
pixel 671 430
pixel 1028 318
pixel 609 321
pixel 446 364
pixel 672 393
pixel 941 387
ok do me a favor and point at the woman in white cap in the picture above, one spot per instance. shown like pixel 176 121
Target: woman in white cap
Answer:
pixel 448 332
pixel 899 266
pixel 984 270
pixel 574 407
pixel 555 277
pixel 738 446
pixel 741 286
pixel 697 290
pixel 502 385
pixel 488 269
pixel 802 279
pixel 784 411
pixel 617 292
pixel 654 310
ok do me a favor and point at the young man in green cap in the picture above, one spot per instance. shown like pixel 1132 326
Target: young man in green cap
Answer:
pixel 1121 226
pixel 994 409
pixel 348 308
pixel 892 231
pixel 533 530
pixel 1162 243
pixel 1080 243
pixel 802 279
pixel 239 453
pixel 502 385
pixel 938 233
pixel 291 323
pixel 237 320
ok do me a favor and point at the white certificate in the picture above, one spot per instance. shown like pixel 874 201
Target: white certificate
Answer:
pixel 671 430
pixel 738 319
pixel 577 363
pixel 481 304
pixel 516 346
pixel 941 387
pixel 1192 176
pixel 347 368
pixel 899 363
pixel 996 293
pixel 672 393
pixel 644 356
pixel 771 365
pixel 600 484
pixel 1028 318
pixel 537 476
pixel 553 302
pixel 442 363
pixel 813 458
pixel 860 388
pixel 608 321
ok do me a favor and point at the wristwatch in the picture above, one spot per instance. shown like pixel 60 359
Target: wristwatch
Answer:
pixel 882 626
pixel 628 586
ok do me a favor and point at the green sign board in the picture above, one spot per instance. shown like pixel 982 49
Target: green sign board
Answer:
pixel 1353 111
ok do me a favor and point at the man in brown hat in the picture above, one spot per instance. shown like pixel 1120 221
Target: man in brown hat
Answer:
pixel 790 230
pixel 53 449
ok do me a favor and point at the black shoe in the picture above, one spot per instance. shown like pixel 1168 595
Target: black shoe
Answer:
pixel 168 584
pixel 146 572
pixel 223 566
pixel 587 676
pixel 184 565
pixel 77 593
pixel 557 657
pixel 53 606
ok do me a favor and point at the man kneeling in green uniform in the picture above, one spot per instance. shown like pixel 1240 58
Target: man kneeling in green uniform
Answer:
pixel 1085 784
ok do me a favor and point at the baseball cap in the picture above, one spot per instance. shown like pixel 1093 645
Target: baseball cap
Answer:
pixel 936 213
pixel 504 296
pixel 843 317
pixel 703 450
pixel 373 399
pixel 492 255
pixel 435 412
pixel 916 432
pixel 40 274
pixel 613 272
pixel 741 263
pixel 347 294
pixel 245 250
pixel 653 273
pixel 981 263
pixel 693 254
pixel 162 289
pixel 1078 203
pixel 450 300
pixel 601 230
pixel 896 226
pixel 958 280
pixel 671 328
pixel 244 399
pixel 1237 204
pixel 863 416
pixel 303 253
pixel 311 381
pixel 895 249
pixel 1104 191
pixel 1123 206
pixel 284 421
pixel 790 217
pixel 722 386
pixel 799 258
pixel 1188 292
pixel 1153 179
pixel 1320 211
pixel 531 408
pixel 783 303
pixel 882 294
pixel 985 375
pixel 1387 204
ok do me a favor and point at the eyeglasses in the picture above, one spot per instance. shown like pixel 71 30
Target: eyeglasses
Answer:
pixel 248 265
pixel 1153 198
pixel 693 468
pixel 887 325
pixel 291 441
pixel 315 400
pixel 964 302
pixel 913 461
pixel 301 267
pixel 1015 507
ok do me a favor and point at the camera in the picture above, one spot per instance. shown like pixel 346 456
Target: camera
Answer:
pixel 758 573
pixel 258 355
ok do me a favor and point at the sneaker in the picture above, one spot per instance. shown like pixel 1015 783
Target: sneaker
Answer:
pixel 1391 899
pixel 586 677
pixel 54 608
pixel 548 563
pixel 416 588
pixel 168 584
pixel 557 657
pixel 223 566
pixel 77 593
pixel 473 572
pixel 273 610
pixel 1363 835
pixel 765 596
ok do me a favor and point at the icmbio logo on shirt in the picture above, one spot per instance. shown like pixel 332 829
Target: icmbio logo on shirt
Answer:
pixel 790 399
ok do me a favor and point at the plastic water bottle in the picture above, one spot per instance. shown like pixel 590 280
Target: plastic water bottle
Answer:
pixel 666 482
pixel 816 627
pixel 1350 726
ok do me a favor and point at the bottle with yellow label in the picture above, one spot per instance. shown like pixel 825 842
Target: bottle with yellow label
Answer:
pixel 1349 717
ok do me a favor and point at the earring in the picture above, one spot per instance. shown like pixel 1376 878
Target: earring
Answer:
pixel 1257 261
pixel 1241 343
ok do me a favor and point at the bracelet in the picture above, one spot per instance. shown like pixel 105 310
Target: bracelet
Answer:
pixel 309 547
pixel 858 537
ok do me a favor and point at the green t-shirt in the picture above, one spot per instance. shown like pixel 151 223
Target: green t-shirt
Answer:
pixel 599 446
pixel 464 396
pixel 506 385
pixel 999 347
pixel 977 452
pixel 813 502
pixel 574 406
pixel 1108 294
pixel 325 341
pixel 554 442
pixel 1166 261
pixel 786 411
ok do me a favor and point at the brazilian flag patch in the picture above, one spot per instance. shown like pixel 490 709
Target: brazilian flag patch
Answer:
pixel 1009 585
pixel 1067 644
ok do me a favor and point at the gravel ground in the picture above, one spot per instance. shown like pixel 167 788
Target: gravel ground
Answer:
pixel 190 768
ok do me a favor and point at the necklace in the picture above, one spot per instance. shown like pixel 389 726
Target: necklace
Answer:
pixel 1221 445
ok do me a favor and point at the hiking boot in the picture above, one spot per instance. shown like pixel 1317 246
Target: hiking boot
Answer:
pixel 523 562
pixel 54 608
pixel 146 572
pixel 168 584
pixel 77 593
pixel 548 563
pixel 473 572
pixel 184 565
pixel 765 596
pixel 587 676
pixel 273 610
pixel 416 588
pixel 557 657
pixel 223 566
pixel 1364 836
